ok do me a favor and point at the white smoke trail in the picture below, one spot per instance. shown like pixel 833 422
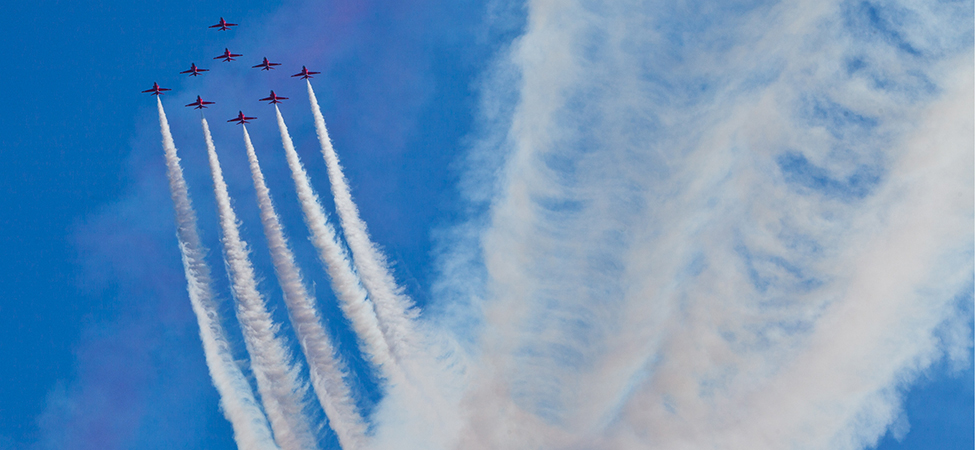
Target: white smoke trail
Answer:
pixel 276 375
pixel 237 400
pixel 345 283
pixel 326 370
pixel 423 413
pixel 394 309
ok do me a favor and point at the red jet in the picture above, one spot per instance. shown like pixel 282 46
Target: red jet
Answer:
pixel 266 65
pixel 273 98
pixel 227 56
pixel 194 71
pixel 241 118
pixel 156 90
pixel 305 74
pixel 199 103
pixel 223 25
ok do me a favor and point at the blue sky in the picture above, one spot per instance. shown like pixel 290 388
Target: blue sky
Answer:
pixel 548 182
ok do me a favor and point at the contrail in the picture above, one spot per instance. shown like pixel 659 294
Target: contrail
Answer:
pixel 237 400
pixel 345 283
pixel 426 393
pixel 276 375
pixel 326 370
pixel 422 392
pixel 394 309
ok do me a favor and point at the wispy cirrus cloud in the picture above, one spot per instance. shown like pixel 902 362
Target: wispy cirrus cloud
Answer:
pixel 738 224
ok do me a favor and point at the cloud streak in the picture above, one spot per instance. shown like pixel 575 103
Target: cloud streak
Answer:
pixel 735 225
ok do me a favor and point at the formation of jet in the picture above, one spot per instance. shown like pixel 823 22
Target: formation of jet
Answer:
pixel 241 118
pixel 156 90
pixel 194 71
pixel 266 65
pixel 273 99
pixel 223 25
pixel 305 74
pixel 199 103
pixel 227 56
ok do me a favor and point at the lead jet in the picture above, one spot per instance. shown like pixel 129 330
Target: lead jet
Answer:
pixel 305 74
pixel 241 118
pixel 156 90
pixel 199 103
pixel 273 99
pixel 223 25
pixel 194 71
pixel 266 65
pixel 227 56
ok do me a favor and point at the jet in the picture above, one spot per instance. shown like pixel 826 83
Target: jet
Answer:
pixel 227 56
pixel 194 71
pixel 156 90
pixel 223 25
pixel 266 65
pixel 273 99
pixel 305 74
pixel 241 118
pixel 199 103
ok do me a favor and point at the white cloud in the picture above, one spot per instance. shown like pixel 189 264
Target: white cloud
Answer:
pixel 719 225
